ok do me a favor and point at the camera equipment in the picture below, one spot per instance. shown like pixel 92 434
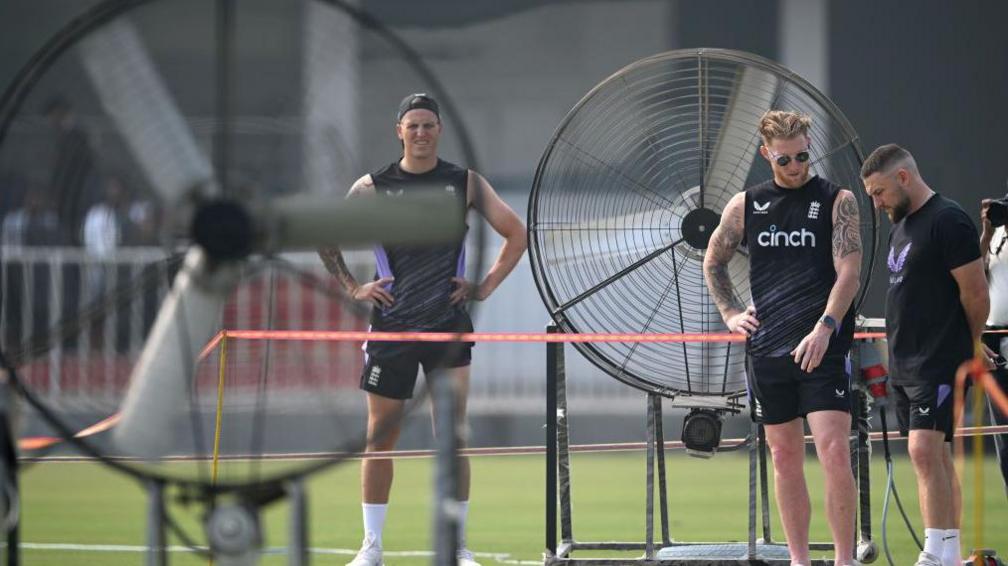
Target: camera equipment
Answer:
pixel 997 212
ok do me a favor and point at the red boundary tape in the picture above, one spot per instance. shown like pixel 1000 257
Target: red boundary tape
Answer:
pixel 37 443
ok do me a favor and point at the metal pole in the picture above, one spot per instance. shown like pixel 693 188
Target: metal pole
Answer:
pixel 864 462
pixel 225 81
pixel 563 450
pixel 297 553
pixel 156 551
pixel 551 442
pixel 446 508
pixel 649 483
pixel 10 496
pixel 764 491
pixel 662 489
pixel 753 448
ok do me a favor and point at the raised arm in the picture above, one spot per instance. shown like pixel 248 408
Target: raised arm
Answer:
pixel 721 248
pixel 505 222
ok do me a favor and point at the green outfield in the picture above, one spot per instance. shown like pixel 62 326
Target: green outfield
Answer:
pixel 97 516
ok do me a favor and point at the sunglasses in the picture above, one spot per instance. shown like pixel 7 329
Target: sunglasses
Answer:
pixel 783 160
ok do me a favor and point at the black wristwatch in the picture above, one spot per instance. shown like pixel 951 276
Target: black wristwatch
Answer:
pixel 828 321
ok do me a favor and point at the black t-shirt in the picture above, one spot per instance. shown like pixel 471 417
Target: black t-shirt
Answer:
pixel 423 274
pixel 789 233
pixel 926 325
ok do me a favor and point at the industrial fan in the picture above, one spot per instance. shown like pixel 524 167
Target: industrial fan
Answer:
pixel 628 191
pixel 238 186
pixel 625 198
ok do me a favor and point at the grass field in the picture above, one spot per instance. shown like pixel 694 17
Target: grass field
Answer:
pixel 84 505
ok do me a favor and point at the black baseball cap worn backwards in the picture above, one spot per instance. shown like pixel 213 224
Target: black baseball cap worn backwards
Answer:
pixel 415 101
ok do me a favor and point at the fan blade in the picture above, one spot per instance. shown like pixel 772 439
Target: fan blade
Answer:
pixel 119 66
pixel 754 93
pixel 159 385
pixel 738 140
pixel 728 169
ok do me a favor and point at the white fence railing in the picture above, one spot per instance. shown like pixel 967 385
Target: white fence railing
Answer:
pixel 42 287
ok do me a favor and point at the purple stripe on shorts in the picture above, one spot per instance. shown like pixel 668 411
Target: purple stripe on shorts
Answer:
pixel 943 392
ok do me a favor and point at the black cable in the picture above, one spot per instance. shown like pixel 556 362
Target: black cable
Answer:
pixel 891 488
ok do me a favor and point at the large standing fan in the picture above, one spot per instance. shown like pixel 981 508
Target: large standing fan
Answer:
pixel 630 188
pixel 241 179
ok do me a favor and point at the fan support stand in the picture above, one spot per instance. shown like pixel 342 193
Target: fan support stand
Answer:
pixel 665 551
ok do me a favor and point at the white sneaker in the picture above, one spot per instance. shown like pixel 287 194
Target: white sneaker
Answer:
pixel 370 554
pixel 465 558
pixel 928 559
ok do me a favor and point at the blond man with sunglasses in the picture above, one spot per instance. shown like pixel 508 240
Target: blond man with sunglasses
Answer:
pixel 804 242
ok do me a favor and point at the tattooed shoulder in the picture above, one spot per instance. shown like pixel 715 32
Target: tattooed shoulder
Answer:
pixel 846 225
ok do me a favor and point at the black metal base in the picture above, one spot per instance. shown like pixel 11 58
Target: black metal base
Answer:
pixel 755 551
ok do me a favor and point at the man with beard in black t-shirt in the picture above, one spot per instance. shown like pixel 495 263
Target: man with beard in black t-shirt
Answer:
pixel 804 245
pixel 936 308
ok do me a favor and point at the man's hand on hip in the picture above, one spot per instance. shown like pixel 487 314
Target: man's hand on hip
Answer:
pixel 744 322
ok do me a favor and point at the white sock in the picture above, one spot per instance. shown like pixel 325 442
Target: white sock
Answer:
pixel 933 543
pixel 374 521
pixel 463 514
pixel 951 552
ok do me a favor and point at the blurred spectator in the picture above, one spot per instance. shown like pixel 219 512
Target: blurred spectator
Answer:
pixel 106 229
pixel 34 224
pixel 107 221
pixel 144 223
pixel 73 168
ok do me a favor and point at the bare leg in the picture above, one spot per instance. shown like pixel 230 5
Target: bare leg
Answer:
pixel 950 471
pixel 830 429
pixel 787 446
pixel 384 426
pixel 928 454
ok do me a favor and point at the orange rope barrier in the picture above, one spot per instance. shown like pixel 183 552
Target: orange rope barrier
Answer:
pixel 496 450
pixel 37 443
pixel 537 337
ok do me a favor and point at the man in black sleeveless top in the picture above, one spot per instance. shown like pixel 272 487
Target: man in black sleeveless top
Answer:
pixel 804 247
pixel 419 289
pixel 936 309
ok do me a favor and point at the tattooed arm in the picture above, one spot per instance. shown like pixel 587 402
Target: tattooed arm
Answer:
pixel 846 254
pixel 332 258
pixel 847 263
pixel 723 243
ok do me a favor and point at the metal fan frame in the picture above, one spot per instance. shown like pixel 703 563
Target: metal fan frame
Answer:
pixel 588 349
pixel 50 53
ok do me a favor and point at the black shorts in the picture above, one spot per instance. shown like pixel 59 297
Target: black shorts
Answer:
pixel 782 392
pixel 394 377
pixel 924 407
